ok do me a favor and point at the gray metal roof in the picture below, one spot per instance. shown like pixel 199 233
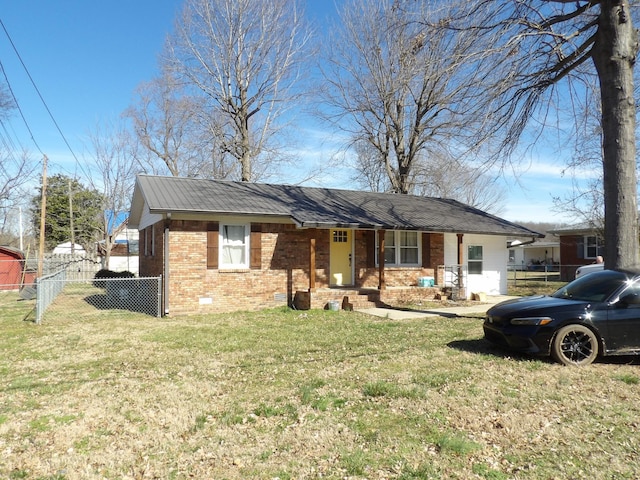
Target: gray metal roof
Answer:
pixel 576 229
pixel 316 207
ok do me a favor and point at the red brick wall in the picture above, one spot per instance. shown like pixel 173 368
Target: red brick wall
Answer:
pixel 150 263
pixel 194 288
pixel 569 250
pixel 570 257
pixel 433 249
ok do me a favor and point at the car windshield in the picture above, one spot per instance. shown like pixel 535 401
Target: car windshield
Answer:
pixel 594 287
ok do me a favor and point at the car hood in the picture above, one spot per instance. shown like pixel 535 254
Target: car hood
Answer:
pixel 537 305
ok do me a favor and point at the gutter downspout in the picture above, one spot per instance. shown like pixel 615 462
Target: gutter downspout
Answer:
pixel 461 284
pixel 165 260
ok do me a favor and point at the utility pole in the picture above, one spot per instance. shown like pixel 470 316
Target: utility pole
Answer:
pixel 43 212
pixel 73 236
pixel 21 231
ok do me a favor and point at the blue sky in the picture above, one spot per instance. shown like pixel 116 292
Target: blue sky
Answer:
pixel 87 57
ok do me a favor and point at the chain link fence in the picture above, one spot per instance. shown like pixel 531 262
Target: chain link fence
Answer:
pixel 58 297
pixel 541 274
pixel 69 287
pixel 47 289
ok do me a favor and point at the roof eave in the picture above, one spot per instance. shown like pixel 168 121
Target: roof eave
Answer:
pixel 356 226
pixel 183 211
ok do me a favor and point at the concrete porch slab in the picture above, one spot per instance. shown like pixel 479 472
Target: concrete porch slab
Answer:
pixel 399 314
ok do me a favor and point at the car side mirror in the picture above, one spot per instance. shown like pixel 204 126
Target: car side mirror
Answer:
pixel 630 299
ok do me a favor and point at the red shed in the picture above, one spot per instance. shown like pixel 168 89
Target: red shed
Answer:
pixel 12 264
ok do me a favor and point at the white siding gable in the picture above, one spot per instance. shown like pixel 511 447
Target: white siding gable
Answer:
pixel 147 218
pixel 493 280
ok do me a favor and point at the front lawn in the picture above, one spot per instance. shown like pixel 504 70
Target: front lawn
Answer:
pixel 301 395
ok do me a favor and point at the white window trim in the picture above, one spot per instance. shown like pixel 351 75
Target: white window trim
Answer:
pixel 586 246
pixel 398 248
pixel 475 261
pixel 221 246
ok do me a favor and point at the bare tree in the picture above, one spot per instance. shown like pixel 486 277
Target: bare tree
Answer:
pixel 115 168
pixel 175 132
pixel 439 176
pixel 245 57
pixel 370 168
pixel 542 52
pixel 162 119
pixel 17 166
pixel 446 177
pixel 585 200
pixel 397 85
pixel 16 170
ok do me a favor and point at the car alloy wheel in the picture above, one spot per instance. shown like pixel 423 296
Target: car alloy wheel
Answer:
pixel 575 345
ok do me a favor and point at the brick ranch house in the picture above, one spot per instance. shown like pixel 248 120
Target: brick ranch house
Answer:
pixel 224 246
pixel 579 245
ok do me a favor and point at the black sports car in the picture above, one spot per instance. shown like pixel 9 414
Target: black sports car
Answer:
pixel 597 314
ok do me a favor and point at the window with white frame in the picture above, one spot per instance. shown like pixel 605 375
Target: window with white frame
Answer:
pixel 400 248
pixel 409 251
pixel 592 247
pixel 474 260
pixel 234 246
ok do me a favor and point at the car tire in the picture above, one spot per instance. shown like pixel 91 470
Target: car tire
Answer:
pixel 575 345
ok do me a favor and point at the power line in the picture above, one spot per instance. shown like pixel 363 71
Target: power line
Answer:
pixel 39 95
pixel 15 101
pixel 8 138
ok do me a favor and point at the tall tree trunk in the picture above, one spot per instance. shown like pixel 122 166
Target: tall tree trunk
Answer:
pixel 245 141
pixel 614 55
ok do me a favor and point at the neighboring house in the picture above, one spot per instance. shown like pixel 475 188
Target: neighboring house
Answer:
pixel 579 245
pixel 13 269
pixel 534 256
pixel 65 249
pixel 224 246
pixel 124 255
pixel 124 249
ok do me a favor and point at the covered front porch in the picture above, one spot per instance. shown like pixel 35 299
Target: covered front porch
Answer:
pixel 374 284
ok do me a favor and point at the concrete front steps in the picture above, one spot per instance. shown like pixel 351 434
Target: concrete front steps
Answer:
pixel 358 298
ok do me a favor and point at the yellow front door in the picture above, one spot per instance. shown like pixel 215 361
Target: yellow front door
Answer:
pixel 340 258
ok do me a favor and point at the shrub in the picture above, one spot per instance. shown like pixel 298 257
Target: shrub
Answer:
pixel 101 275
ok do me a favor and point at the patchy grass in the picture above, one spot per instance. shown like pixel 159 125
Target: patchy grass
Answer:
pixel 12 307
pixel 301 395
pixel 533 287
pixel 525 283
